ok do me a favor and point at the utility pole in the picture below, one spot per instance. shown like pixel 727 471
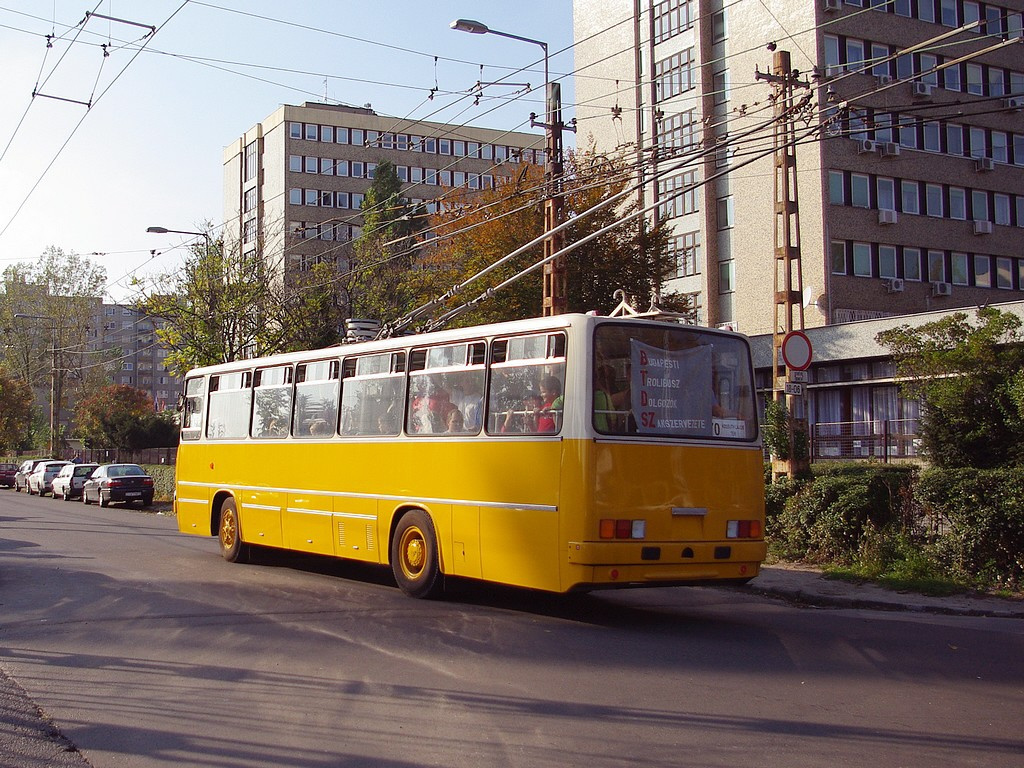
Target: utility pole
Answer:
pixel 555 282
pixel 788 285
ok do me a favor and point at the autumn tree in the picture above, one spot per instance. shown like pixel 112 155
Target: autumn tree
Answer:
pixel 15 412
pixel 123 417
pixel 476 229
pixel 968 377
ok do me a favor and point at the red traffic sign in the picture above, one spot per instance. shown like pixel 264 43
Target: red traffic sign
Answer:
pixel 796 351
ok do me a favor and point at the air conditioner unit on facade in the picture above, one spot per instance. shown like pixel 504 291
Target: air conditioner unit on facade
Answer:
pixel 984 164
pixel 833 5
pixel 883 79
pixel 890 149
pixel 1014 102
pixel 866 146
pixel 983 227
pixel 921 90
pixel 942 289
pixel 893 285
pixel 887 217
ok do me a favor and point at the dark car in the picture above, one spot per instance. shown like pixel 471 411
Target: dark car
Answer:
pixel 7 473
pixel 27 468
pixel 118 482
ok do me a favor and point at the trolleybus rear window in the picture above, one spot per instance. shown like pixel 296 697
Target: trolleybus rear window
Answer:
pixel 672 382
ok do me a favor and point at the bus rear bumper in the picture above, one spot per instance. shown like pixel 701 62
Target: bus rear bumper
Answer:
pixel 612 564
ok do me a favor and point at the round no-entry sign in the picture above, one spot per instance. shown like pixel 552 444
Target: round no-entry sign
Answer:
pixel 796 351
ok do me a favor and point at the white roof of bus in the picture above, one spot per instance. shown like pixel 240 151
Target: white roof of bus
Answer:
pixel 436 337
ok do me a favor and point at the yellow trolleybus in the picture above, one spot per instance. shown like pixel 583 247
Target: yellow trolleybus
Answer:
pixel 563 453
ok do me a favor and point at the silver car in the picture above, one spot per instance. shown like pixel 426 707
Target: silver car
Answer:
pixel 41 479
pixel 68 484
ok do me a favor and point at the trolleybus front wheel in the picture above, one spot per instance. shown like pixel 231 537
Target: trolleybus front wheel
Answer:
pixel 414 556
pixel 232 547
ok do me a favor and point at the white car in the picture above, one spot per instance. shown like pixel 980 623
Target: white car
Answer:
pixel 41 479
pixel 68 483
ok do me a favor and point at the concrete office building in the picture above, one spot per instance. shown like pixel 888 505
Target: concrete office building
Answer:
pixel 911 201
pixel 294 183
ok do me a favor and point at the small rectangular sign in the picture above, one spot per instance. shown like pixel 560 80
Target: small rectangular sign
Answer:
pixel 799 376
pixel 794 389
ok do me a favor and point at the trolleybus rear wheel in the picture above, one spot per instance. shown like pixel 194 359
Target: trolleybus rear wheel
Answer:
pixel 414 558
pixel 233 549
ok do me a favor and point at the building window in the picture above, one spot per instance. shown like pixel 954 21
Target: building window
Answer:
pixel 836 188
pixel 725 213
pixel 1001 208
pixel 718 27
pixel 295 163
pixel 838 252
pixel 251 160
pixel 311 197
pixel 327 133
pixel 678 195
pixel 958 203
pixel 686 251
pixel 933 200
pixel 673 75
pixel 326 166
pixel 860 190
pixel 726 276
pixel 879 57
pixel 975 81
pixel 1004 273
pixel 959 263
pixel 679 131
pixel 979 205
pixel 295 196
pixel 954 139
pixel 911 196
pixel 932 136
pixel 886 189
pixel 862 259
pixel 833 64
pixel 912 264
pixel 887 261
pixel 936 266
pixel 312 165
pixel 948 14
pixel 982 271
pixel 341 135
pixel 670 18
pixel 295 130
pixel 312 132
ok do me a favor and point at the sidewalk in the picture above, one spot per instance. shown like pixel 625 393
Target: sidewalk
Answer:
pixel 807 586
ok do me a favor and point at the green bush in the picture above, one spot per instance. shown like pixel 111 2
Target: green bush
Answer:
pixel 978 517
pixel 163 480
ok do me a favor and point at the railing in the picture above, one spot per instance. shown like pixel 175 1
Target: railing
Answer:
pixel 885 439
pixel 141 456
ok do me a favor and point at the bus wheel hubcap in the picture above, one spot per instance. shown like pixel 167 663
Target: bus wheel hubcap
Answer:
pixel 413 553
pixel 227 530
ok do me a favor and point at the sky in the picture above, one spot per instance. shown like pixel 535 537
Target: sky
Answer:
pixel 149 149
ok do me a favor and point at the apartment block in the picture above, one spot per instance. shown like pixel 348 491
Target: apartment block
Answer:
pixel 294 183
pixel 141 359
pixel 909 164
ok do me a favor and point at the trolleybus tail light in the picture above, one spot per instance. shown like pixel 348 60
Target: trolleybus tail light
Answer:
pixel 623 529
pixel 743 529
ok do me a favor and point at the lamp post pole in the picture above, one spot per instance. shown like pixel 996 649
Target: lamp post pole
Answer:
pixel 53 375
pixel 555 283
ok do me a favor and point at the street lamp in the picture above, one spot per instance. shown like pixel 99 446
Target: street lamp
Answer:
pixel 554 270
pixel 53 374
pixel 166 231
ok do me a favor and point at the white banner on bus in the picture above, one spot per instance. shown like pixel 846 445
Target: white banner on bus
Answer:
pixel 671 390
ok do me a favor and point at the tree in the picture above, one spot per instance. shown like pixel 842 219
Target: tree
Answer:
pixel 477 228
pixel 968 378
pixel 57 297
pixel 120 416
pixel 15 412
pixel 383 280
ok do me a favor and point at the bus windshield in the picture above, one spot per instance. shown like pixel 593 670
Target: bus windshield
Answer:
pixel 672 382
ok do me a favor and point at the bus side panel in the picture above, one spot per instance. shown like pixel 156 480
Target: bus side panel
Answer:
pixel 260 517
pixel 465 546
pixel 191 500
pixel 307 523
pixel 356 531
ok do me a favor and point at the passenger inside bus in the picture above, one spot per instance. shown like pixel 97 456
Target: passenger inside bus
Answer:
pixel 525 418
pixel 551 413
pixel 454 422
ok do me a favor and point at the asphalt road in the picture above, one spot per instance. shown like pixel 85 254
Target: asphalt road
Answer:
pixel 144 648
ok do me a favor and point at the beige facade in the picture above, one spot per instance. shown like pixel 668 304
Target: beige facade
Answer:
pixel 294 183
pixel 911 201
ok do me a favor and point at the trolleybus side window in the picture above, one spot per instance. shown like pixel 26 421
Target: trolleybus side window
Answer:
pixel 316 399
pixel 272 401
pixel 527 384
pixel 672 382
pixel 446 385
pixel 372 394
pixel 230 400
pixel 192 409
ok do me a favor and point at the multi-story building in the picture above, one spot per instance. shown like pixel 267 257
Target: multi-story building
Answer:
pixel 140 359
pixel 911 199
pixel 294 183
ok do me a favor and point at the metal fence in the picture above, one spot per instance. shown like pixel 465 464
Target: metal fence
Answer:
pixel 143 456
pixel 884 439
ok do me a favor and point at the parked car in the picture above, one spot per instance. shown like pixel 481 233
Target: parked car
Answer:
pixel 27 468
pixel 41 479
pixel 118 482
pixel 7 473
pixel 68 483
